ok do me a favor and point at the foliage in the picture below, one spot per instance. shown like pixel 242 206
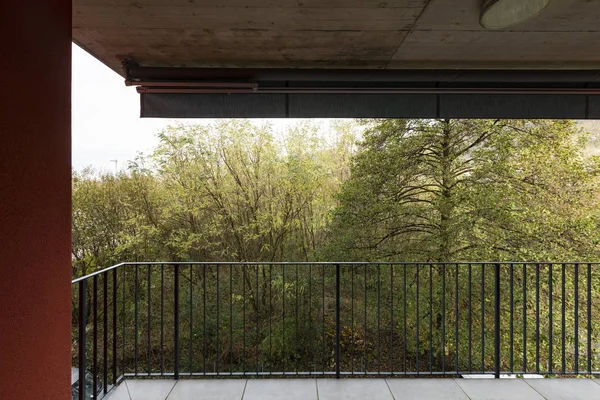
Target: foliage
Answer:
pixel 411 190
pixel 231 191
pixel 463 190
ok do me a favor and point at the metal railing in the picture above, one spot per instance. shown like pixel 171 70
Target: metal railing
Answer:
pixel 336 319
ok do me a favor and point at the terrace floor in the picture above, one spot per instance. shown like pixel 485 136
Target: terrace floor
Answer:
pixel 359 389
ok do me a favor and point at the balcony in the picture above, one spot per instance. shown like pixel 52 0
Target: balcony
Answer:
pixel 253 330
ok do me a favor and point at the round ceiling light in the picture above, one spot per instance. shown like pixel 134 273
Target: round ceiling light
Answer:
pixel 498 14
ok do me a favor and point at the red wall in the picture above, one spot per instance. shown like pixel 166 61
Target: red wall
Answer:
pixel 35 199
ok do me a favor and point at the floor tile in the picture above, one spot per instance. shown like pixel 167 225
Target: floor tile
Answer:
pixel 149 389
pixel 217 389
pixel 121 393
pixel 353 389
pixel 566 389
pixel 498 389
pixel 359 389
pixel 288 389
pixel 426 389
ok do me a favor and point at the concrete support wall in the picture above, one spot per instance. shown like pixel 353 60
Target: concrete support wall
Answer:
pixel 35 199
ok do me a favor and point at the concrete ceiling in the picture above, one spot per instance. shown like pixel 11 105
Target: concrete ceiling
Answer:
pixel 393 34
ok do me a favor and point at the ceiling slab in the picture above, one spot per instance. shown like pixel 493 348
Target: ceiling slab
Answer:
pixel 365 34
pixel 365 49
pixel 559 16
pixel 264 3
pixel 498 50
pixel 447 35
pixel 277 19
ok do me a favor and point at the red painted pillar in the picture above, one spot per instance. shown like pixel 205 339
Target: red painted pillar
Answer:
pixel 35 199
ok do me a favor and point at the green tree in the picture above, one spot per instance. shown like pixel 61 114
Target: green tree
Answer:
pixel 446 190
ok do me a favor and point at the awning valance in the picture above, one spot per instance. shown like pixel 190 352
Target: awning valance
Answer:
pixel 281 93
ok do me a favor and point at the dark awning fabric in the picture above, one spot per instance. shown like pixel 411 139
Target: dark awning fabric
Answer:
pixel 189 93
pixel 180 105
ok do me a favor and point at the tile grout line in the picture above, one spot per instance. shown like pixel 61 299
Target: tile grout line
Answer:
pixel 462 389
pixel 317 387
pixel 244 391
pixel 171 391
pixel 534 389
pixel 127 388
pixel 390 389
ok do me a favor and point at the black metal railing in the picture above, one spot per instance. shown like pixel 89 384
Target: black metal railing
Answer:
pixel 336 319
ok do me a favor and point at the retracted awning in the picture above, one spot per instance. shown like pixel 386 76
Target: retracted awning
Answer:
pixel 168 92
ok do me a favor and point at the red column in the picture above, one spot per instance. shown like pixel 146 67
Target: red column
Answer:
pixel 35 199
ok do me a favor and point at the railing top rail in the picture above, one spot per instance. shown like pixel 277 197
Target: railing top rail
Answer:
pixel 342 263
pixel 82 278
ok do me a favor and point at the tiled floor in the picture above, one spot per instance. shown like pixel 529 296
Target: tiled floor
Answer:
pixel 359 389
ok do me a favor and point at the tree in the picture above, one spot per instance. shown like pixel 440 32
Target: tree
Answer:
pixel 444 190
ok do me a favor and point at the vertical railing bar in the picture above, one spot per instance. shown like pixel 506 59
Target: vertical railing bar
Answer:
pixel 404 312
pixel 123 322
pixel 470 318
pixel 337 321
pixel 379 318
pixel 391 320
pixel 137 300
pixel 443 268
pixel 310 313
pixel 589 318
pixel 231 318
pixel 95 339
pixel 323 320
pixel 258 316
pixel 114 328
pixel 524 318
pixel 456 316
pixel 550 320
pixel 283 320
pixel 204 342
pixel 431 318
pixel 191 340
pixel 512 322
pixel 218 326
pixel 418 319
pixel 270 318
pixel 243 270
pixel 497 322
pixel 105 330
pixel 365 324
pixel 576 312
pixel 563 320
pixel 537 318
pixel 149 350
pixel 482 318
pixel 176 320
pixel 162 319
pixel 352 317
pixel 82 338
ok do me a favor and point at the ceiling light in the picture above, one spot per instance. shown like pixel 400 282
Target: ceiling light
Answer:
pixel 498 14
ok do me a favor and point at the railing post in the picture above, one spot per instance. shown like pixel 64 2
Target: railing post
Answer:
pixel 176 320
pixel 497 321
pixel 95 336
pixel 114 328
pixel 105 332
pixel 82 339
pixel 337 321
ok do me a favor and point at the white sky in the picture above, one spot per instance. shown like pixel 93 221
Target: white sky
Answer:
pixel 106 122
pixel 105 115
